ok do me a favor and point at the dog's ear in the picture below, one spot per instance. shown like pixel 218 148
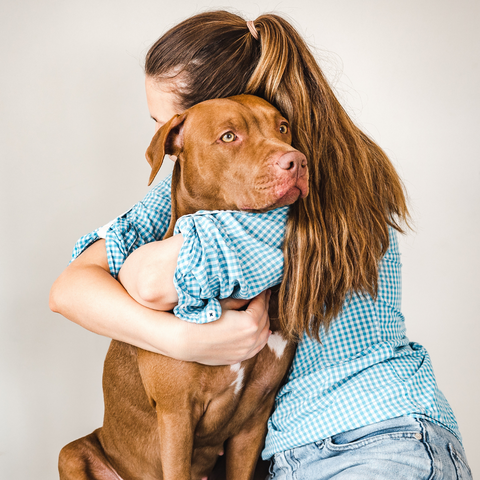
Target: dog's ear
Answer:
pixel 168 140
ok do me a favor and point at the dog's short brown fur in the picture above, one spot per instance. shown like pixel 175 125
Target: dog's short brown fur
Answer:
pixel 171 420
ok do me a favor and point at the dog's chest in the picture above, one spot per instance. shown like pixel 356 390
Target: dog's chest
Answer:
pixel 276 346
pixel 231 398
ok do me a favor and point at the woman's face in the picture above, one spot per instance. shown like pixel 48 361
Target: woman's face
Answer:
pixel 161 101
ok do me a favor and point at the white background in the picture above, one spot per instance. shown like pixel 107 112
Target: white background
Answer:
pixel 74 128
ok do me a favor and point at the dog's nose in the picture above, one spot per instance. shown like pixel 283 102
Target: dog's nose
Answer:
pixel 293 162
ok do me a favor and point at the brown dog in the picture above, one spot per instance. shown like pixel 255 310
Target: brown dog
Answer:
pixel 170 420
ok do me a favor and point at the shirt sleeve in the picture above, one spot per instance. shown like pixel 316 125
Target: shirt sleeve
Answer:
pixel 226 254
pixel 147 221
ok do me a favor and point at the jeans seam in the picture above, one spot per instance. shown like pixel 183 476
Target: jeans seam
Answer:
pixel 425 440
pixel 457 458
pixel 271 473
pixel 285 468
pixel 294 464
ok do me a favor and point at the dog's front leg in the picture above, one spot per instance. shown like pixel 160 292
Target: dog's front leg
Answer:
pixel 176 443
pixel 243 450
pixel 172 398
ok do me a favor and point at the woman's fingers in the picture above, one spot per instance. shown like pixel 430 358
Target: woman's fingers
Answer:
pixel 234 337
pixel 254 320
pixel 257 331
pixel 233 303
pixel 258 308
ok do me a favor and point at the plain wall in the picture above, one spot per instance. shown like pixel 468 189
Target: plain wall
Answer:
pixel 73 132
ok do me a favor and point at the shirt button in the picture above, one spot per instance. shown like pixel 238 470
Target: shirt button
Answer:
pixel 418 436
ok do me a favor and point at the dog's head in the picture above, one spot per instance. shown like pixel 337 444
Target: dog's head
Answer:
pixel 232 154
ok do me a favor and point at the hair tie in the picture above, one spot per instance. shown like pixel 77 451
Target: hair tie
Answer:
pixel 253 30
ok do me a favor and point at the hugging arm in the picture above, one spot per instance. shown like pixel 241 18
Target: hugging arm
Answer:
pixel 87 294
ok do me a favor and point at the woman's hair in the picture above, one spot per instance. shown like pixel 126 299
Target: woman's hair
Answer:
pixel 335 236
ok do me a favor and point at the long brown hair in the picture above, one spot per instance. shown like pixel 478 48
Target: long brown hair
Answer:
pixel 336 236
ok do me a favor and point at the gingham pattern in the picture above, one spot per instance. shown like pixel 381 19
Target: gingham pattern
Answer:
pixel 226 254
pixel 365 370
pixel 147 221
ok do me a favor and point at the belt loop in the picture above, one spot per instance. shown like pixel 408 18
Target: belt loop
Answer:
pixel 321 443
pixel 423 429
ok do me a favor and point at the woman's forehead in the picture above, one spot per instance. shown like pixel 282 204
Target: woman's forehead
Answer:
pixel 161 99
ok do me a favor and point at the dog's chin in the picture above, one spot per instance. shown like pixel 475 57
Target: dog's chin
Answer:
pixel 288 198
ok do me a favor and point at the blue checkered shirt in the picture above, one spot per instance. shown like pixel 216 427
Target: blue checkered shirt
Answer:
pixel 363 371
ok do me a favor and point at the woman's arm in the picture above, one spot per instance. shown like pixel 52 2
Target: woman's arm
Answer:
pixel 147 273
pixel 88 295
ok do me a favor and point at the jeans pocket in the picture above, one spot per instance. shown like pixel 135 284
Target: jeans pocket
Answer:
pixel 331 444
pixel 461 466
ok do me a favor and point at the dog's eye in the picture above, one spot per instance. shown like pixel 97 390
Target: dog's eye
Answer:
pixel 228 137
pixel 283 128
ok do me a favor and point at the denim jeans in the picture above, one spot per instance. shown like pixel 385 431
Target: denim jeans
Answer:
pixel 402 448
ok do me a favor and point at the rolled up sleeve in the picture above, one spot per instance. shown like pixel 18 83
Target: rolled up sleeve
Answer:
pixel 147 221
pixel 226 254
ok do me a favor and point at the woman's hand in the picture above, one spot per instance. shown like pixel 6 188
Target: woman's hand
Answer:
pixel 236 336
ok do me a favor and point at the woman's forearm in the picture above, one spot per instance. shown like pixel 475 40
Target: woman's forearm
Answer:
pixel 88 295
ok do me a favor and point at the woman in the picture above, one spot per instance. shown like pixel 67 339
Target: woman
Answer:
pixel 361 400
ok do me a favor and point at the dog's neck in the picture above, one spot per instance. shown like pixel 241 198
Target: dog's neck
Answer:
pixel 182 201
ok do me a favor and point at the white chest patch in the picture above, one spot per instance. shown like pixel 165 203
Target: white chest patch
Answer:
pixel 238 382
pixel 277 344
